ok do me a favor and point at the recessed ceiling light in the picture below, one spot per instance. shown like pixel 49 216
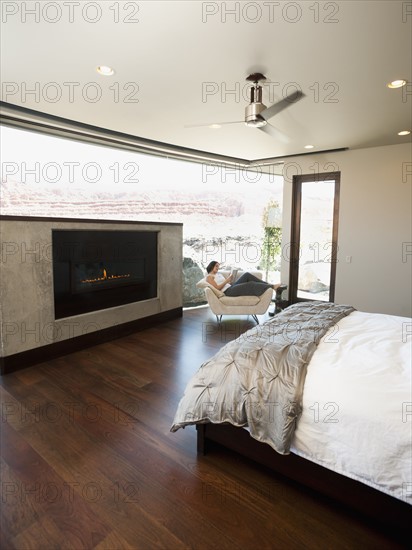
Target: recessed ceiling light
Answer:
pixel 396 84
pixel 105 70
pixel 214 126
pixel 404 133
pixel 309 146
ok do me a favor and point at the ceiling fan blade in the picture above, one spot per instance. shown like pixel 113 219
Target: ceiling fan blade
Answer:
pixel 276 108
pixel 274 132
pixel 213 123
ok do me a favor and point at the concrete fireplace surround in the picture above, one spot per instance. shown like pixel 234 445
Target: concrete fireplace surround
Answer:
pixel 29 331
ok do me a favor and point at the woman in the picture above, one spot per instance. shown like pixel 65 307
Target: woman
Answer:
pixel 246 285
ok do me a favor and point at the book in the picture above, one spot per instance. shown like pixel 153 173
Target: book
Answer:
pixel 234 275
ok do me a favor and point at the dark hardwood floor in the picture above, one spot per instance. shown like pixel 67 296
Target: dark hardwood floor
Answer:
pixel 88 459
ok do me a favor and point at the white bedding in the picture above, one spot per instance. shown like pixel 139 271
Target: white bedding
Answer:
pixel 357 404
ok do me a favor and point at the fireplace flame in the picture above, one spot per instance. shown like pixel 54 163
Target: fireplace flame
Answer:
pixel 105 277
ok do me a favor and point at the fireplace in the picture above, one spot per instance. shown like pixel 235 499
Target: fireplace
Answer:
pixel 94 270
pixel 90 276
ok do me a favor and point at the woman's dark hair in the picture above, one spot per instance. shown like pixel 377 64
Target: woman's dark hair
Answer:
pixel 211 266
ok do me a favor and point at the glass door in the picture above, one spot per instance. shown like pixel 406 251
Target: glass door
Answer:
pixel 314 237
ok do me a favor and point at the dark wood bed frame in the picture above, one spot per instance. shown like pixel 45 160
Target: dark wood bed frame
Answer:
pixel 388 511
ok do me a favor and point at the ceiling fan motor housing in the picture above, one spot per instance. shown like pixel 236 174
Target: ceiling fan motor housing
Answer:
pixel 255 107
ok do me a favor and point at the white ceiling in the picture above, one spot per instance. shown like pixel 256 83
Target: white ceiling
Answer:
pixel 341 54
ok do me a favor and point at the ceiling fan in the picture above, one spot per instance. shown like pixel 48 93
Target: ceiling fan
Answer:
pixel 257 115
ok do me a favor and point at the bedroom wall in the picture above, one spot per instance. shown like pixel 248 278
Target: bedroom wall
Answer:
pixel 374 225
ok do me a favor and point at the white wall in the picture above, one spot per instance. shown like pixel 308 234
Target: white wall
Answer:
pixel 374 225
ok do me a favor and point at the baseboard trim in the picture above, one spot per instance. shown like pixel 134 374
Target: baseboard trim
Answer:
pixel 18 361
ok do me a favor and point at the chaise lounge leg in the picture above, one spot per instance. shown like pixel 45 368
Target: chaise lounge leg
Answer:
pixel 218 319
pixel 255 318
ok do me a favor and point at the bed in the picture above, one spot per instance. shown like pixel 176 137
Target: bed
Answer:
pixel 320 393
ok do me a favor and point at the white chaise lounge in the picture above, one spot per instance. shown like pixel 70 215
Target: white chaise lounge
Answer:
pixel 220 304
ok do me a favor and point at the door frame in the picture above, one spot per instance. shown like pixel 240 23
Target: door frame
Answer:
pixel 295 232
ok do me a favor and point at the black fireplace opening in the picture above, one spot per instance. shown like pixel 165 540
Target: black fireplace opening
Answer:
pixel 94 270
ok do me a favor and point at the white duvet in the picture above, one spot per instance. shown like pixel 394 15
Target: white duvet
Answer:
pixel 357 403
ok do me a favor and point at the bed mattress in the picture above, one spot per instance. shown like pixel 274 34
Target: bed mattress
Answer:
pixel 357 403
